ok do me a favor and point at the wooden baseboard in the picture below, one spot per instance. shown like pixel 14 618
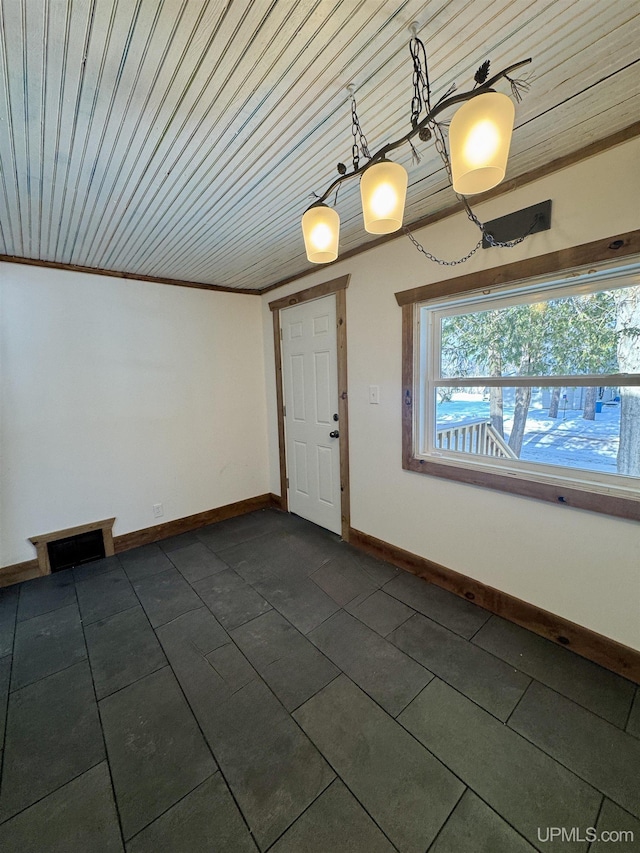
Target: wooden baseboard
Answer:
pixel 19 572
pixel 278 502
pixel 595 647
pixel 190 522
pixel 30 569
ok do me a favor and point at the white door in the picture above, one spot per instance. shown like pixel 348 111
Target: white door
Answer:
pixel 310 377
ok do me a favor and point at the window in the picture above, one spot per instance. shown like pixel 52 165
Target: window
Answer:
pixel 531 387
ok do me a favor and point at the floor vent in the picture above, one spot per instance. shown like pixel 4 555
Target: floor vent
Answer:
pixel 75 550
pixel 74 546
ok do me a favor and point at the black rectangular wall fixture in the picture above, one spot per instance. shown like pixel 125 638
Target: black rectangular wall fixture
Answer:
pixel 529 220
pixel 75 550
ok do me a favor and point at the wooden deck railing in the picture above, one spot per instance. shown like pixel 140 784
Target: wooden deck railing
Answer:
pixel 474 437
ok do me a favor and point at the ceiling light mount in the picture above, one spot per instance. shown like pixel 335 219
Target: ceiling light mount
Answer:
pixel 479 137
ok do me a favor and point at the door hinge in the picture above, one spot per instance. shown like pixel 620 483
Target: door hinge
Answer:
pixel 280 334
pixel 284 411
pixel 287 482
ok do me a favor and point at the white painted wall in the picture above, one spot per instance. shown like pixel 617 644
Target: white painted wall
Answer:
pixel 580 565
pixel 116 395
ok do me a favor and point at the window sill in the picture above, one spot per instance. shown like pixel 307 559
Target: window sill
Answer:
pixel 557 493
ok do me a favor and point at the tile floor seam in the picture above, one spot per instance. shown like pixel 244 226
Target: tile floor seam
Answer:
pixel 211 611
pixel 105 618
pixel 448 818
pixel 168 809
pixel 168 622
pixel 44 612
pixel 58 788
pixel 304 811
pixel 622 808
pixel 91 578
pixel 305 735
pixel 3 751
pixel 175 618
pixel 102 618
pixel 635 698
pixel 579 704
pixel 524 693
pixel 489 615
pixel 419 613
pixel 305 637
pixel 424 746
pixel 235 544
pixel 335 612
pixel 470 787
pixel 319 690
pixel 175 566
pixel 397 628
pixel 502 817
pixel 200 729
pixel 229 547
pixel 444 764
pixel 130 683
pixel 242 624
pixel 433 675
pixel 102 734
pixel 341 606
pixel 595 822
pixel 54 672
pixel 203 603
pixel 562 764
pixel 545 684
pixel 253 619
pixel 273 607
pixel 344 782
pixel 453 686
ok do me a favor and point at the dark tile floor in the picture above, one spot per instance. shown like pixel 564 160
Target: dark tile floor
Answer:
pixel 260 685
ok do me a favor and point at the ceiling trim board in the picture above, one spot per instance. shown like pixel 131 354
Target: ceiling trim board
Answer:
pixel 199 285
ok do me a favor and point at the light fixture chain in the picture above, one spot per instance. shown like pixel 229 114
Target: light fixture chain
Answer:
pixel 421 85
pixel 436 260
pixel 509 244
pixel 360 145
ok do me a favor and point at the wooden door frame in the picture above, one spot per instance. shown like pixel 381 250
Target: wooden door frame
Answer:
pixel 337 286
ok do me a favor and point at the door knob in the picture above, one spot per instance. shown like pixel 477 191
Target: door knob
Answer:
pixel 334 434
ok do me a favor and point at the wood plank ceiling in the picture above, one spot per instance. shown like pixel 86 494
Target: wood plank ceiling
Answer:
pixel 183 138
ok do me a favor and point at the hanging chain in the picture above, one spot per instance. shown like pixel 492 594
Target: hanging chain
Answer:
pixel 360 145
pixel 421 86
pixel 436 260
pixel 441 148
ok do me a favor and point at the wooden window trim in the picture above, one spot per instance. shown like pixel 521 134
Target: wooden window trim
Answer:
pixel 315 292
pixel 562 261
pixel 337 286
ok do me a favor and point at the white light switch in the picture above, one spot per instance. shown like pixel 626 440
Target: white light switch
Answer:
pixel 374 394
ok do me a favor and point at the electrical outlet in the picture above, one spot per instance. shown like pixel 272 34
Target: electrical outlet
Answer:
pixel 374 394
pixel 157 511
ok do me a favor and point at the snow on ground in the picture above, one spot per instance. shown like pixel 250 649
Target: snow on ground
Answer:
pixel 568 440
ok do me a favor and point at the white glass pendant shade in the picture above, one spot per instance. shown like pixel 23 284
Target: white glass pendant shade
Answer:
pixel 479 139
pixel 383 189
pixel 321 230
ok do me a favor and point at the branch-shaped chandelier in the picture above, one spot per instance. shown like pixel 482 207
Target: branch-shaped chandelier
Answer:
pixel 479 139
